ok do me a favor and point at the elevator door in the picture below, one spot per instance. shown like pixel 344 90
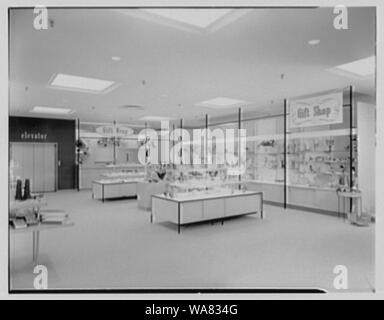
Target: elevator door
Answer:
pixel 37 162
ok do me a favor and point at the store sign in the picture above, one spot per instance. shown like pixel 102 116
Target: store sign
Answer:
pixel 114 131
pixel 317 111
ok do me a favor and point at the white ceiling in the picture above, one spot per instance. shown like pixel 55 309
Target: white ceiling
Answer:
pixel 169 70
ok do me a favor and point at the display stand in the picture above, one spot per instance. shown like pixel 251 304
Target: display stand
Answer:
pixel 145 190
pixel 114 189
pixel 189 208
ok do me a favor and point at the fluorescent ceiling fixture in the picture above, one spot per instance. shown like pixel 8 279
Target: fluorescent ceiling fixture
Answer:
pixel 116 58
pixel 313 42
pixel 201 18
pixel 363 68
pixel 71 82
pixel 50 110
pixel 155 118
pixel 221 102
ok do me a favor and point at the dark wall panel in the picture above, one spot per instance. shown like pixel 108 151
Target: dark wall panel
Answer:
pixel 63 132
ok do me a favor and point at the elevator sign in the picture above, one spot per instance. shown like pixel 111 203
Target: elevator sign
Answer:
pixel 316 111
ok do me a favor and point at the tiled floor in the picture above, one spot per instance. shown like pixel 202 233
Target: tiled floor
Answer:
pixel 113 245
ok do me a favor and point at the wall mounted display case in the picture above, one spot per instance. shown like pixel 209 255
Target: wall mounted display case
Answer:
pixel 321 149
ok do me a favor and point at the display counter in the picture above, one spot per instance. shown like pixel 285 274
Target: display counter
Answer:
pixel 110 189
pixel 189 207
pixel 145 190
pixel 90 173
pixel 311 197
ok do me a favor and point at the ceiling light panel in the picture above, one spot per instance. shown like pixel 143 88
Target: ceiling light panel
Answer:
pixel 77 83
pixel 201 18
pixel 314 42
pixel 155 118
pixel 363 68
pixel 51 110
pixel 221 102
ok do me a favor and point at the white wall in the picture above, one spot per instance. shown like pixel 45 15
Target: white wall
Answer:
pixel 366 128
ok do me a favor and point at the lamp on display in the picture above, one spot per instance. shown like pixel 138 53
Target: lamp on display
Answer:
pixel 18 195
pixel 27 190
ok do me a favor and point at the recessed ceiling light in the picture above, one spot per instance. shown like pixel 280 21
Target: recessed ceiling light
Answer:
pixel 132 107
pixel 201 18
pixel 221 102
pixel 76 83
pixel 116 58
pixel 313 42
pixel 155 118
pixel 51 110
pixel 362 68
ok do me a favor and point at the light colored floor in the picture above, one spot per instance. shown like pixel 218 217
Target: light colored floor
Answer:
pixel 113 245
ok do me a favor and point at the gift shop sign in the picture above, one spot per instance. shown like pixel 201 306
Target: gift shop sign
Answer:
pixel 114 131
pixel 317 111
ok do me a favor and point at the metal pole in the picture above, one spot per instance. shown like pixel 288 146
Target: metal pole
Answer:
pixel 285 153
pixel 206 141
pixel 350 135
pixel 239 144
pixel 181 141
pixel 78 156
pixel 350 143
pixel 146 148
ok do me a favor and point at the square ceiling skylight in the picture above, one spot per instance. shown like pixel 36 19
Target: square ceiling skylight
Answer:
pixel 77 83
pixel 221 102
pixel 362 68
pixel 51 110
pixel 201 18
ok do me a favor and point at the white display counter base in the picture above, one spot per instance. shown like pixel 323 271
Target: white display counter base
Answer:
pixel 145 190
pixel 112 190
pixel 309 198
pixel 192 208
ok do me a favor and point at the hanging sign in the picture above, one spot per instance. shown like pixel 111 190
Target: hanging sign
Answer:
pixel 317 111
pixel 114 131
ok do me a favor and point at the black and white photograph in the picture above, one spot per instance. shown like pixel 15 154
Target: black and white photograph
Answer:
pixel 192 149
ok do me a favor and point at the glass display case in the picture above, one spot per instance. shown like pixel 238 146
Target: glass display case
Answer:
pixel 127 171
pixel 319 161
pixel 203 179
pixel 266 161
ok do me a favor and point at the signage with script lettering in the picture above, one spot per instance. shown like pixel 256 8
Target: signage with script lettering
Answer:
pixel 317 111
pixel 114 131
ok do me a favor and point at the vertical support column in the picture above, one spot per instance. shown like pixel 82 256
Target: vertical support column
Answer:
pixel 145 141
pixel 114 143
pixel 350 133
pixel 178 217
pixel 206 141
pixel 239 143
pixel 181 142
pixel 173 144
pixel 78 156
pixel 350 142
pixel 285 153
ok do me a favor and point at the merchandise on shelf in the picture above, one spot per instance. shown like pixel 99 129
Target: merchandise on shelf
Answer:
pixel 319 162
